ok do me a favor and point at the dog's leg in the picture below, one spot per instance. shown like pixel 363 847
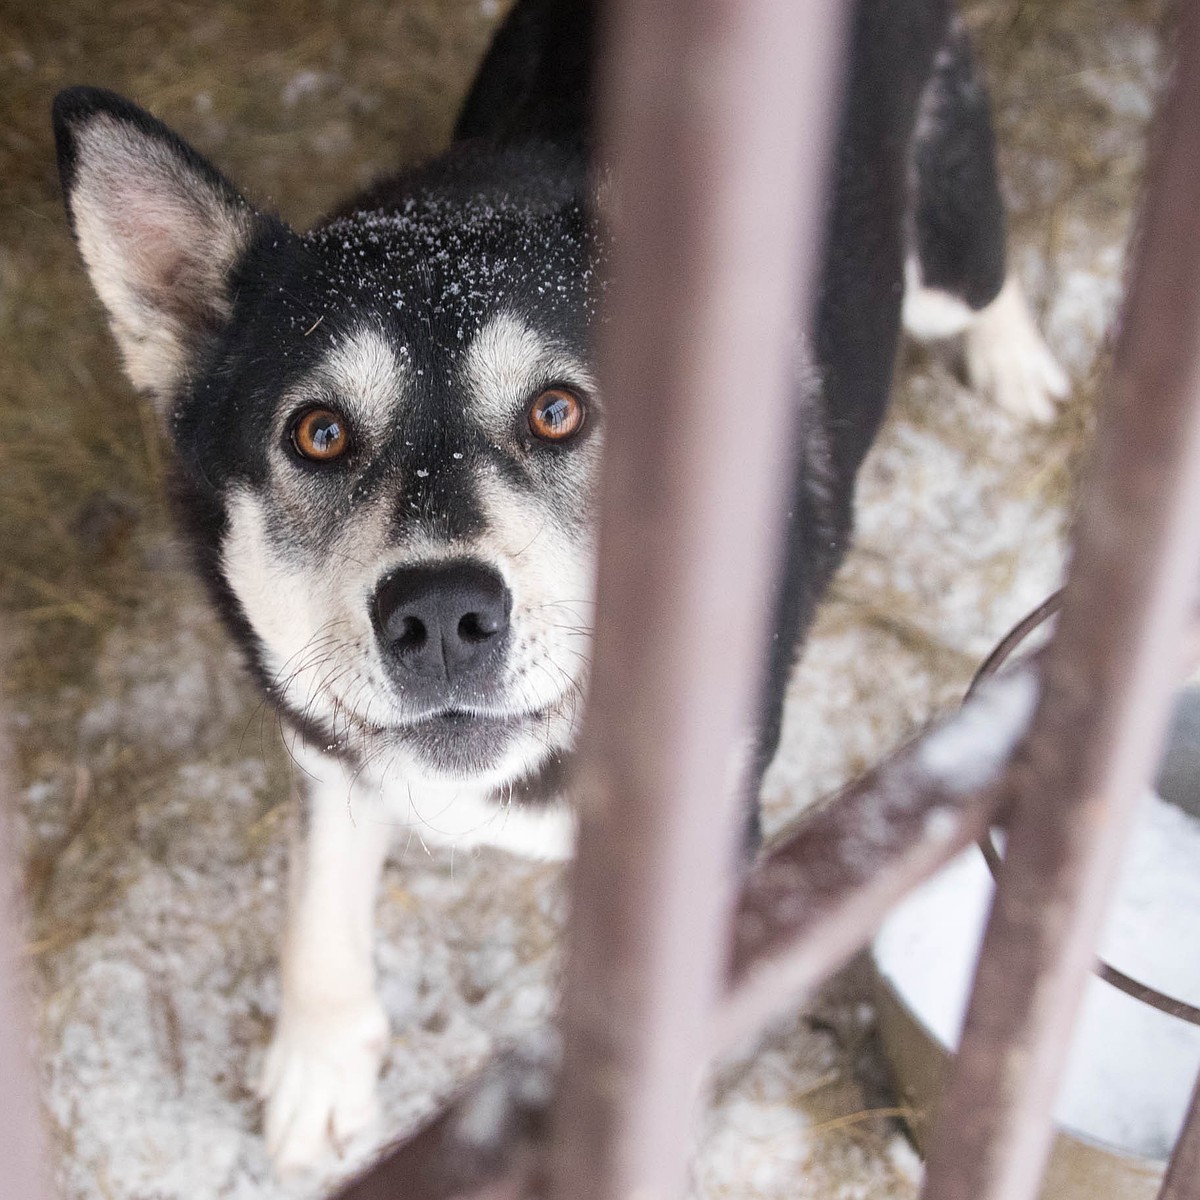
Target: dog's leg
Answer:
pixel 319 1078
pixel 955 275
pixel 1004 354
pixel 1007 359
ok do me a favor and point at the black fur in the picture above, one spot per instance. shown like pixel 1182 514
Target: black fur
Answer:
pixel 904 122
pixel 857 315
pixel 958 215
pixel 537 80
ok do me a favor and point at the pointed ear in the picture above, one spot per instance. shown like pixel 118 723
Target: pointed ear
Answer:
pixel 159 230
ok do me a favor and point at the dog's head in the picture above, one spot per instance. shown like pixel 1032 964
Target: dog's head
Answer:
pixel 387 431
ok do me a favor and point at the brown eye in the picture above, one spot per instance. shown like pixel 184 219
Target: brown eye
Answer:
pixel 556 415
pixel 320 434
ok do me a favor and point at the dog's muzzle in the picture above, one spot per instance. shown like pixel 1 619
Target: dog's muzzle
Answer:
pixel 442 629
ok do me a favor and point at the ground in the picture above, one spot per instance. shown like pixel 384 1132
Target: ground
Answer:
pixel 153 799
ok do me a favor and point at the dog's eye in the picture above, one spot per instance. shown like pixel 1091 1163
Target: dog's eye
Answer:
pixel 320 434
pixel 556 415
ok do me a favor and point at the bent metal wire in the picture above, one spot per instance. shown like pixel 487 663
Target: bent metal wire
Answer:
pixel 995 661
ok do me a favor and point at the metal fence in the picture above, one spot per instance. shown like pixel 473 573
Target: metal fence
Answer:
pixel 716 184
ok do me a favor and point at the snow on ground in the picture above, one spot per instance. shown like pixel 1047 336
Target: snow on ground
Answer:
pixel 155 825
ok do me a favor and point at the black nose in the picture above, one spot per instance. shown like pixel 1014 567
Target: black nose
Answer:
pixel 442 621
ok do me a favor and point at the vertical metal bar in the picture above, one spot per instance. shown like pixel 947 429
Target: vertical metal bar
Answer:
pixel 1107 683
pixel 719 116
pixel 22 1172
pixel 1183 1175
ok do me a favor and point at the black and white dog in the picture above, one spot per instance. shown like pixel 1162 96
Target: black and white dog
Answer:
pixel 388 430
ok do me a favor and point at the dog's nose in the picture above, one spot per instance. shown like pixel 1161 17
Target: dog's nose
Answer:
pixel 440 622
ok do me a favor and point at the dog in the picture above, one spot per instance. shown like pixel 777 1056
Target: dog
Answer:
pixel 387 432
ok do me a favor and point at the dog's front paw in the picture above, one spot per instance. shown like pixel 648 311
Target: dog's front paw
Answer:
pixel 318 1082
pixel 1008 361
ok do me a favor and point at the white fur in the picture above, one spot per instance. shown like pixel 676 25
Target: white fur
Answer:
pixel 151 232
pixel 320 1071
pixel 1006 358
pixel 367 378
pixel 507 363
pixel 318 1081
pixel 930 313
pixel 292 611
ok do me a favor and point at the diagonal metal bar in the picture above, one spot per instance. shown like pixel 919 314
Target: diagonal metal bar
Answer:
pixel 1107 681
pixel 822 893
pixel 719 115
pixel 815 900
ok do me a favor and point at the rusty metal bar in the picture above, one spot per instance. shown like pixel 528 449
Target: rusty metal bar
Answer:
pixel 719 116
pixel 1183 1175
pixel 1107 681
pixel 22 1165
pixel 818 898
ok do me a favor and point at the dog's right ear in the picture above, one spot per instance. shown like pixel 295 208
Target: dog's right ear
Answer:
pixel 159 230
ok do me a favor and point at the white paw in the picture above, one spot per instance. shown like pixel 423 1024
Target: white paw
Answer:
pixel 318 1082
pixel 1007 360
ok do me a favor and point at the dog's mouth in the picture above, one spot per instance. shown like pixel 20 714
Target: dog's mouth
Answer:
pixel 460 721
pixel 457 742
pixel 462 742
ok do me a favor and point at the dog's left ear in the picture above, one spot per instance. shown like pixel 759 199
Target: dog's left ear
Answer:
pixel 159 228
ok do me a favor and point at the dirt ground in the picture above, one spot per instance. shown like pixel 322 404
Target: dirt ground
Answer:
pixel 153 790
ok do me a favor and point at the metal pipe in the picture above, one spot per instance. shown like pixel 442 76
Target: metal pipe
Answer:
pixel 718 115
pixel 1108 677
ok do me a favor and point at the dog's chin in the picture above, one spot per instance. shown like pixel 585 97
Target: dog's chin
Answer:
pixel 458 745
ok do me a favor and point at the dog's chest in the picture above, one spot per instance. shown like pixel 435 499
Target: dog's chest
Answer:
pixel 465 818
pixel 457 815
